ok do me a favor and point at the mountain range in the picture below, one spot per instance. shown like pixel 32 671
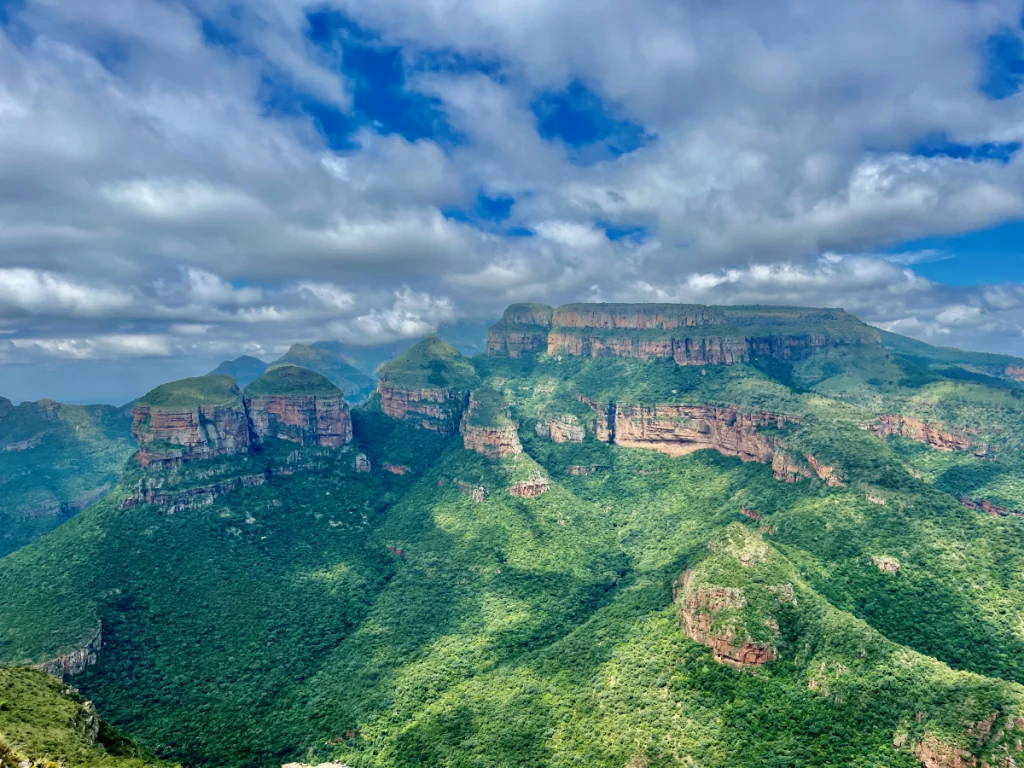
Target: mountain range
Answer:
pixel 618 535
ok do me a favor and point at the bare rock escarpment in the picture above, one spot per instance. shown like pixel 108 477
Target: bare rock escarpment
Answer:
pixel 688 334
pixel 921 431
pixel 487 427
pixel 76 661
pixel 298 405
pixel 439 410
pixel 561 428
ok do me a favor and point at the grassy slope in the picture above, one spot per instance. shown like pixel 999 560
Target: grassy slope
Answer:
pixel 291 380
pixel 432 364
pixel 53 459
pixel 42 721
pixel 193 392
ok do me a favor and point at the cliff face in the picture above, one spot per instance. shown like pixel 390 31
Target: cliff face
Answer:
pixel 923 432
pixel 700 607
pixel 74 662
pixel 687 334
pixel 309 420
pixel 563 428
pixel 437 409
pixel 169 435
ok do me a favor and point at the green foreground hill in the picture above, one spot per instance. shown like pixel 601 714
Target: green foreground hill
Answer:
pixel 404 601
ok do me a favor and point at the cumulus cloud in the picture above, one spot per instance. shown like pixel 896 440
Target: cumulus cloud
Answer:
pixel 158 198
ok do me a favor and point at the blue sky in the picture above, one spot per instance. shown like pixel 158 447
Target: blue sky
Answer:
pixel 187 180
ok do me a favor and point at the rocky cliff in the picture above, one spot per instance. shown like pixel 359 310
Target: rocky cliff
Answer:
pixel 74 662
pixel 439 410
pixel 304 419
pixel 170 435
pixel 687 334
pixel 487 429
pixel 561 428
pixel 935 435
pixel 700 608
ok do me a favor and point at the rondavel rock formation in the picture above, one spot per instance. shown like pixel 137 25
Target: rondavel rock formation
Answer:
pixel 321 420
pixel 439 409
pixel 687 334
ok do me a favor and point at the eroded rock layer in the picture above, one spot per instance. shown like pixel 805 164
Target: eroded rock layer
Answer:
pixel 167 436
pixel 74 662
pixel 495 441
pixel 309 420
pixel 921 431
pixel 439 410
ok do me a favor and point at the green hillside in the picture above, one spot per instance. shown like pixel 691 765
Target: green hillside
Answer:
pixel 43 723
pixel 55 459
pixel 405 602
pixel 291 380
pixel 332 364
pixel 193 392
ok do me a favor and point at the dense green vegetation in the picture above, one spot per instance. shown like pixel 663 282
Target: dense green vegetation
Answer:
pixel 193 392
pixel 421 614
pixel 431 364
pixel 291 380
pixel 55 459
pixel 45 724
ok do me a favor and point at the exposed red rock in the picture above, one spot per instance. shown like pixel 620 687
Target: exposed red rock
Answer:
pixel 562 428
pixel 304 419
pixel 169 436
pixel 494 442
pixel 698 608
pixel 529 489
pixel 435 409
pixel 935 753
pixel 157 491
pixel 74 662
pixel 397 469
pixel 748 512
pixel 921 431
pixel 1015 372
pixel 990 508
pixel 829 474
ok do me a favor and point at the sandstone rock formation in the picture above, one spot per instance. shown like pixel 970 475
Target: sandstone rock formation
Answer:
pixel 495 436
pixel 990 508
pixel 74 662
pixel 362 463
pixel 561 428
pixel 1015 372
pixel 529 489
pixel 170 498
pixel 688 334
pixel 885 563
pixel 935 753
pixel 168 436
pixel 921 431
pixel 700 608
pixel 439 410
pixel 304 419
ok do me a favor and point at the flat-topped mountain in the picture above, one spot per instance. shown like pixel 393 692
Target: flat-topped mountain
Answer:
pixel 689 334
pixel 298 405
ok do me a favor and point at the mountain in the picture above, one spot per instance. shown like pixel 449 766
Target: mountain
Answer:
pixel 243 369
pixel 44 723
pixel 467 336
pixel 55 460
pixel 629 535
pixel 349 379
pixel 955 363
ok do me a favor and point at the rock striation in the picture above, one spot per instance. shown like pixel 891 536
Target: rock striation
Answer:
pixel 168 436
pixel 439 410
pixel 561 428
pixel 688 334
pixel 320 420
pixel 487 428
pixel 935 435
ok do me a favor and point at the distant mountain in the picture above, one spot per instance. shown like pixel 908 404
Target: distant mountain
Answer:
pixel 956 363
pixel 326 361
pixel 55 460
pixel 244 369
pixel 625 536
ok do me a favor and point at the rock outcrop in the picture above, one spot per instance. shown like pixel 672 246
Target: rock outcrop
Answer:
pixel 990 508
pixel 935 435
pixel 308 420
pixel 687 334
pixel 935 753
pixel 561 428
pixel 530 489
pixel 494 434
pixel 700 608
pixel 74 662
pixel 886 563
pixel 1015 372
pixel 439 410
pixel 168 436
pixel 159 492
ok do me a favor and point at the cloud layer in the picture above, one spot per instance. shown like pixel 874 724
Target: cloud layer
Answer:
pixel 185 178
